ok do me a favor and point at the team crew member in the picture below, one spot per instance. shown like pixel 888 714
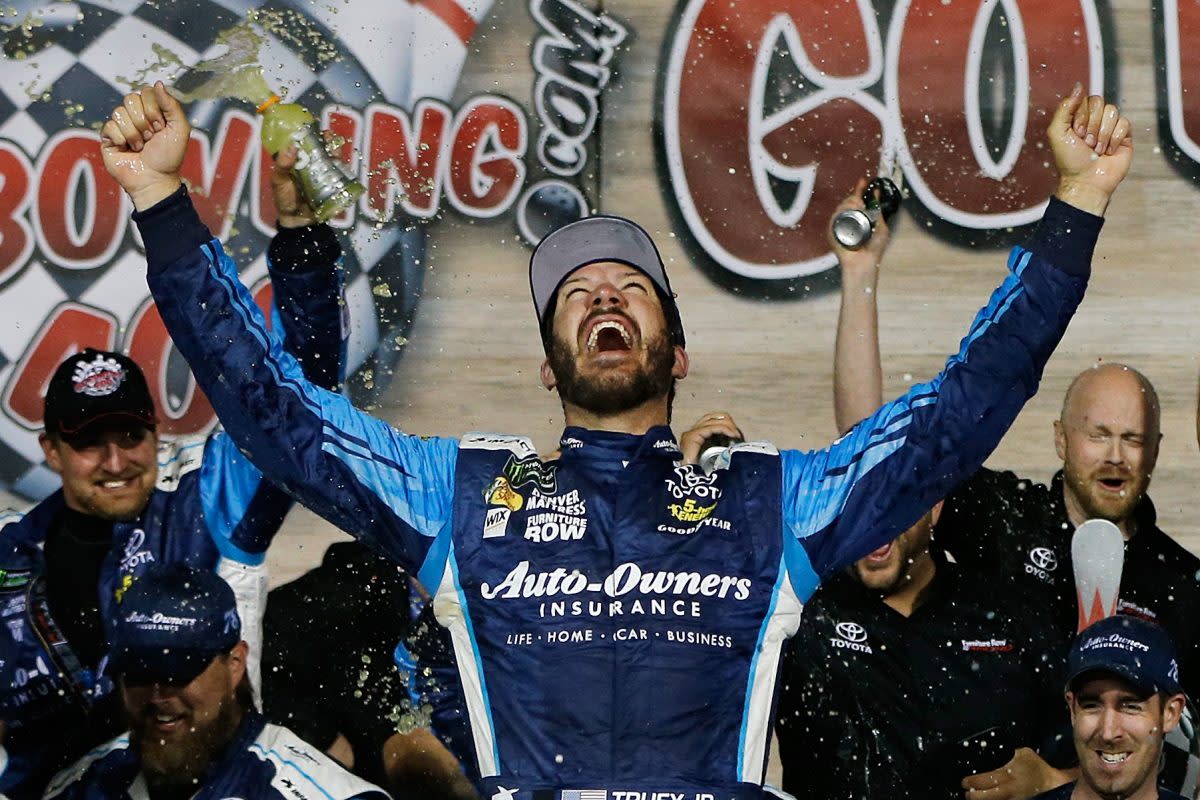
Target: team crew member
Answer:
pixel 129 501
pixel 193 731
pixel 1125 696
pixel 1000 524
pixel 617 615
pixel 328 673
pixel 327 656
pixel 909 675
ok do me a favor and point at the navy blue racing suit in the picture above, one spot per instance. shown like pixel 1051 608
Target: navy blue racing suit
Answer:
pixel 263 762
pixel 617 615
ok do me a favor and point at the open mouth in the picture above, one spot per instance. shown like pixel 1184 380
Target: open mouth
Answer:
pixel 1113 484
pixel 163 723
pixel 1112 758
pixel 609 336
pixel 880 553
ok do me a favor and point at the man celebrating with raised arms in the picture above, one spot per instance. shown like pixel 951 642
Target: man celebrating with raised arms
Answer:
pixel 617 614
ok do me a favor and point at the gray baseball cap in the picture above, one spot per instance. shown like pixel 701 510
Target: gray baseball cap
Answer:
pixel 590 241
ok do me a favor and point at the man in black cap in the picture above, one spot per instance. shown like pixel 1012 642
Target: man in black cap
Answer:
pixel 181 664
pixel 1124 694
pixel 129 501
pixel 617 614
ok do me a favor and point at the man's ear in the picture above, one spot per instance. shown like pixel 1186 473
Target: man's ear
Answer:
pixel 680 370
pixel 1172 712
pixel 50 450
pixel 237 663
pixel 1060 440
pixel 548 378
pixel 935 513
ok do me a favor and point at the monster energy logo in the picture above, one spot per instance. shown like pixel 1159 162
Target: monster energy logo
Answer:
pixel 13 580
pixel 530 469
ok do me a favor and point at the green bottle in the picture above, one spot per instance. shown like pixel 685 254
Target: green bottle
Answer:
pixel 327 188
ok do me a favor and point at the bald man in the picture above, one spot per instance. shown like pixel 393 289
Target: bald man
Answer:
pixel 1107 436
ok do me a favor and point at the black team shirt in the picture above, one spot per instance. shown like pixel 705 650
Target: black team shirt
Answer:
pixel 875 704
pixel 1018 532
pixel 75 549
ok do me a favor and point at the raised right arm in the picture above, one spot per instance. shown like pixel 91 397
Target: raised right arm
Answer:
pixel 393 490
pixel 857 374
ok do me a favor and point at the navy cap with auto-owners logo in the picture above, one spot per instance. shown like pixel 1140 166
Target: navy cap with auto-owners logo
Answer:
pixel 1131 648
pixel 171 623
pixel 96 386
pixel 589 241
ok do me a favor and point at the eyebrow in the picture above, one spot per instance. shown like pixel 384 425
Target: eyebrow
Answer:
pixel 629 273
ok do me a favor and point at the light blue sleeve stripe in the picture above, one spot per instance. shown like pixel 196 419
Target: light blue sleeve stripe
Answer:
pixel 478 665
pixel 228 483
pixel 411 476
pixel 758 651
pixel 435 560
pixel 805 579
pixel 816 484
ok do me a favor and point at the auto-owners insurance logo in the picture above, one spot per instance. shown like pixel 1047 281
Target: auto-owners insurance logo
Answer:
pixel 851 636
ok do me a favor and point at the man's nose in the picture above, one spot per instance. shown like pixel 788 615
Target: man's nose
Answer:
pixel 115 458
pixel 1110 725
pixel 607 294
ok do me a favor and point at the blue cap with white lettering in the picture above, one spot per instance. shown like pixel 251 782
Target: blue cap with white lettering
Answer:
pixel 171 623
pixel 1131 648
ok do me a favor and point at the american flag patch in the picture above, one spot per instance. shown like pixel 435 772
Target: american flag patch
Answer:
pixel 584 794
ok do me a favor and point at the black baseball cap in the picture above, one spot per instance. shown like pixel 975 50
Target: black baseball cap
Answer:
pixel 590 241
pixel 171 623
pixel 96 386
pixel 1133 649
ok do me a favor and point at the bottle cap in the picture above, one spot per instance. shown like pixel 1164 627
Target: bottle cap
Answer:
pixel 270 101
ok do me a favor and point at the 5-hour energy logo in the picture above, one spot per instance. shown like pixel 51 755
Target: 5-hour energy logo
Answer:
pixel 698 495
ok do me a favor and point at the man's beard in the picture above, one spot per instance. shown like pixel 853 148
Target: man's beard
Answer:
pixel 613 393
pixel 1116 510
pixel 180 764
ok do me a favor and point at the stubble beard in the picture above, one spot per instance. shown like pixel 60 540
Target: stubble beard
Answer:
pixel 903 568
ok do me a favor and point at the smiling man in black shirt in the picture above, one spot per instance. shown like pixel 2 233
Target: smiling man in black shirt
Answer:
pixel 908 676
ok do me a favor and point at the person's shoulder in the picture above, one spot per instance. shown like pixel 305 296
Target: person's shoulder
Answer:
pixel 1005 483
pixel 21 531
pixel 520 446
pixel 1168 549
pixel 93 761
pixel 304 771
pixel 178 457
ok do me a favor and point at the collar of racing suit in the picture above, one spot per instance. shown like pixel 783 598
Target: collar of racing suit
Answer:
pixel 610 450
